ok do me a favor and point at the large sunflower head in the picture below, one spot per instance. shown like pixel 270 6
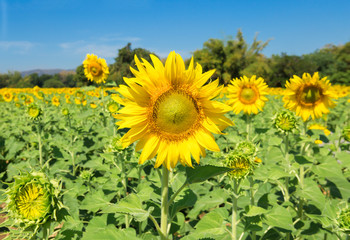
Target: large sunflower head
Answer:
pixel 309 96
pixel 95 69
pixel 247 94
pixel 346 133
pixel 170 110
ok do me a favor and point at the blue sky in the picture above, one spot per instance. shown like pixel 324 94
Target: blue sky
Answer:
pixel 50 34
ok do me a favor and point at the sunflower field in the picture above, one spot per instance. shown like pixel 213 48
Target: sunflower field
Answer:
pixel 174 155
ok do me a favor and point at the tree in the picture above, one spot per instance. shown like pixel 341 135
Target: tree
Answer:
pixel 232 58
pixel 125 60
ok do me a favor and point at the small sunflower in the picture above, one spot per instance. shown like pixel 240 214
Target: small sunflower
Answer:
pixel 8 96
pixel 170 111
pixel 309 96
pixel 247 94
pixel 55 101
pixel 95 69
pixel 285 121
pixel 28 100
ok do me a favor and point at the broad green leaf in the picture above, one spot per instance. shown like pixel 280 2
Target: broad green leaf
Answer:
pixel 202 173
pixel 254 211
pixel 95 201
pixel 279 217
pixel 131 205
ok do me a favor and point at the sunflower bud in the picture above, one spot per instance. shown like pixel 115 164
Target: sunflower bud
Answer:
pixel 34 111
pixel 65 111
pixel 285 121
pixel 346 133
pixel 246 148
pixel 112 107
pixel 344 220
pixel 32 200
pixel 115 145
pixel 241 165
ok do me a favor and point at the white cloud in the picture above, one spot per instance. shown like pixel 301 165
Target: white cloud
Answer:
pixel 83 47
pixel 16 46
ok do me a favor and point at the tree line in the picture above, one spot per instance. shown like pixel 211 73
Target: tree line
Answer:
pixel 231 57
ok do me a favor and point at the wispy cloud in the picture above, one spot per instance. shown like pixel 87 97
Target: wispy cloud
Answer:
pixel 82 47
pixel 105 46
pixel 20 47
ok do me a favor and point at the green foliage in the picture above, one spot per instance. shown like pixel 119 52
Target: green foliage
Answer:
pixel 232 58
pixel 125 60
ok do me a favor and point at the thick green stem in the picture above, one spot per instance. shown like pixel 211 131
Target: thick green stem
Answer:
pixel 40 145
pixel 286 157
pixel 252 202
pixel 248 123
pixel 125 185
pixel 164 204
pixel 302 174
pixel 234 210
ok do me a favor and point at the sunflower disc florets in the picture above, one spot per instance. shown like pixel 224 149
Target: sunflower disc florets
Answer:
pixel 285 122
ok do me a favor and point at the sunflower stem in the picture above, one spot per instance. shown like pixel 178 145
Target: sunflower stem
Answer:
pixel 164 204
pixel 40 144
pixel 252 202
pixel 248 122
pixel 234 209
pixel 302 173
pixel 125 185
pixel 286 157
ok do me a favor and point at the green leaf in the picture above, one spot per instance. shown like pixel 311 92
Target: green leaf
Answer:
pixel 279 217
pixel 99 229
pixel 254 211
pixel 211 225
pixel 202 173
pixel 312 192
pixel 95 201
pixel 186 199
pixel 131 205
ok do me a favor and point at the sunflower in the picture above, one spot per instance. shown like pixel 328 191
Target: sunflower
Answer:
pixel 309 96
pixel 95 69
pixel 8 96
pixel 55 101
pixel 170 111
pixel 247 94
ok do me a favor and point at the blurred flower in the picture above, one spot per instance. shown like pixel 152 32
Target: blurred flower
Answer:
pixel 95 69
pixel 247 94
pixel 309 96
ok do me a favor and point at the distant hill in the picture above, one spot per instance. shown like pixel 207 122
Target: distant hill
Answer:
pixel 45 71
